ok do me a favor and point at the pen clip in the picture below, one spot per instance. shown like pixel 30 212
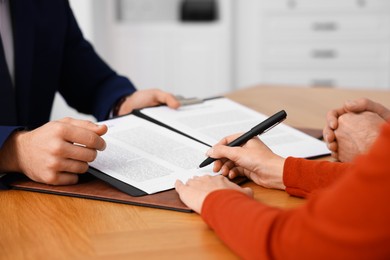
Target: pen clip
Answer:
pixel 273 126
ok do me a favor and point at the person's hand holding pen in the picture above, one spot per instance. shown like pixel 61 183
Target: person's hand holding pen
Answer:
pixel 258 129
pixel 253 160
pixel 243 162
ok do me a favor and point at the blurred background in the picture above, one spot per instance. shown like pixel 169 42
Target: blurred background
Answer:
pixel 205 48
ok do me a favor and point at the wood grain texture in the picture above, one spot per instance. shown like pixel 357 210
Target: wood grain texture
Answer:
pixel 44 226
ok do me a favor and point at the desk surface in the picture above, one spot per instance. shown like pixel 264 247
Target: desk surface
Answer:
pixel 35 225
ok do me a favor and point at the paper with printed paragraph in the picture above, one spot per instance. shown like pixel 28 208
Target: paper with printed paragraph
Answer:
pixel 148 156
pixel 214 119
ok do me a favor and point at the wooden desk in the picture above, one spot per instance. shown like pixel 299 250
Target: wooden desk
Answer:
pixel 42 226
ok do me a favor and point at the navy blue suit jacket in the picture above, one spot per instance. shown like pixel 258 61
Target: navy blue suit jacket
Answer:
pixel 51 55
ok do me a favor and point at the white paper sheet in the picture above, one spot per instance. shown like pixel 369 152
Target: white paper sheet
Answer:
pixel 148 156
pixel 214 119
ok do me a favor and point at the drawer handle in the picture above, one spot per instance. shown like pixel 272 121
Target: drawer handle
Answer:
pixel 323 83
pixel 324 54
pixel 292 4
pixel 325 26
pixel 361 3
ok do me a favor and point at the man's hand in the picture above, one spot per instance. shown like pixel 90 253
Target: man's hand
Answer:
pixel 352 106
pixel 55 152
pixel 147 98
pixel 194 192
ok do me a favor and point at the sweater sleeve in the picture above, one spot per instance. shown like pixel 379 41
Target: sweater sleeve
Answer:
pixel 301 176
pixel 346 220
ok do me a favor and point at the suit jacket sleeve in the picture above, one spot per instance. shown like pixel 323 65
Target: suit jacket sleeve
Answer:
pixel 87 83
pixel 5 131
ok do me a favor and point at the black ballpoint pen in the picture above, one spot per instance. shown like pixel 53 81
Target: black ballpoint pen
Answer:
pixel 257 130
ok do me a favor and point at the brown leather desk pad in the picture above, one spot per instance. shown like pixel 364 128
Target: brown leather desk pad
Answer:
pixel 92 188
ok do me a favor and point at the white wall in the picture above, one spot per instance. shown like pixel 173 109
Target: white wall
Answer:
pixel 83 12
pixel 192 59
pixel 148 43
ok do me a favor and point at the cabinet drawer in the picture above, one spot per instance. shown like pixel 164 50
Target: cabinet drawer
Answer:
pixel 327 53
pixel 325 5
pixel 326 26
pixel 377 79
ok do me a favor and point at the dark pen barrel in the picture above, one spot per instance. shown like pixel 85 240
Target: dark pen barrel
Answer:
pixel 257 130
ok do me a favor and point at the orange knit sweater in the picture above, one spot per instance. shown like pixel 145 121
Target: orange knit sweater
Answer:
pixel 347 217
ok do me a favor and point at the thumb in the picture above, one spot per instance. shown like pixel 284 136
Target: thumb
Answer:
pixel 353 106
pixel 171 101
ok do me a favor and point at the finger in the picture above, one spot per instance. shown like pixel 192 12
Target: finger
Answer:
pixel 82 136
pixel 355 105
pixel 77 167
pixel 192 180
pixel 171 101
pixel 362 104
pixel 166 98
pixel 328 134
pixel 179 185
pixel 218 164
pixel 79 153
pixel 98 129
pixel 225 171
pixel 365 104
pixel 233 173
pixel 228 139
pixel 332 146
pixel 67 165
pixel 189 196
pixel 63 178
pixel 222 151
pixel 332 116
pixel 334 156
pixel 228 165
pixel 197 182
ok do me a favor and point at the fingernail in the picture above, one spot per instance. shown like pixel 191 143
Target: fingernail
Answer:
pixel 210 152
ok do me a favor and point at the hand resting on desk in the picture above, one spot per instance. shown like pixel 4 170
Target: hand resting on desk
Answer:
pixel 351 129
pixel 147 98
pixel 55 152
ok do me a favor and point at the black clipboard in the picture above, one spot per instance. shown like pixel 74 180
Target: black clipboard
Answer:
pixel 127 188
pixel 120 185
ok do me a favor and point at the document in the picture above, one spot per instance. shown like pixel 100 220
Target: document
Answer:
pixel 147 156
pixel 214 119
pixel 150 150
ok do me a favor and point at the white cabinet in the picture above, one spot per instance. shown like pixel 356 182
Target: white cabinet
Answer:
pixel 146 41
pixel 340 43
